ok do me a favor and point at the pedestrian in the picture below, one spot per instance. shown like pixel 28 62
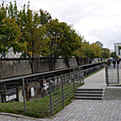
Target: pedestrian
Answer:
pixel 108 62
pixel 118 61
pixel 114 63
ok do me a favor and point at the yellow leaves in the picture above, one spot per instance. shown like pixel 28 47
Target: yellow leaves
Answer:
pixel 96 49
pixel 23 45
pixel 29 53
pixel 89 50
pixel 9 21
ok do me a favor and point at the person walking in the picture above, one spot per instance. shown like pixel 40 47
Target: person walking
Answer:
pixel 118 61
pixel 114 63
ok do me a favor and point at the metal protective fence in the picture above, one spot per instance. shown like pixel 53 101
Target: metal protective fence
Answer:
pixel 48 91
pixel 113 74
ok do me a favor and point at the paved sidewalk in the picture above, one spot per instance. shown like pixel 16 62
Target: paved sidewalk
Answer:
pixel 95 81
pixel 91 110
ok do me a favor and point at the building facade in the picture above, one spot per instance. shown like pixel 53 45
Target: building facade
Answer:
pixel 117 48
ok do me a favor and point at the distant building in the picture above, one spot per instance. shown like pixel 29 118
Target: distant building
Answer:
pixel 11 54
pixel 117 48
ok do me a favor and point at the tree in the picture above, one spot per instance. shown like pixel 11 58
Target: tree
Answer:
pixel 105 53
pixel 64 40
pixel 99 44
pixel 85 50
pixel 33 30
pixel 36 33
pixel 41 46
pixel 45 17
pixel 9 35
pixel 97 50
pixel 113 54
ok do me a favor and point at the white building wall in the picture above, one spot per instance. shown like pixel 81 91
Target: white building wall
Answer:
pixel 117 50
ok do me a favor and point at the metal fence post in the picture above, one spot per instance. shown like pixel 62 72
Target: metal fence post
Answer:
pixel 50 99
pixel 118 73
pixel 3 94
pixel 62 91
pixel 80 77
pixel 24 94
pixel 106 75
pixel 73 80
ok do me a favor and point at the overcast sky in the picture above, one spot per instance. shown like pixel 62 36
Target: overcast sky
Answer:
pixel 97 20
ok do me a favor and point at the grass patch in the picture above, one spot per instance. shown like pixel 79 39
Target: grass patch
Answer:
pixel 39 108
pixel 35 108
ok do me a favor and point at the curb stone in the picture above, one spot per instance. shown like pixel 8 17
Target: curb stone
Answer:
pixel 19 116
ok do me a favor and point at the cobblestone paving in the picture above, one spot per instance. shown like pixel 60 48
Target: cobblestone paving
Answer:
pixel 79 110
pixel 91 111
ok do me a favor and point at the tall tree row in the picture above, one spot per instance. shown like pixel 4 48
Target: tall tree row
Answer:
pixel 36 34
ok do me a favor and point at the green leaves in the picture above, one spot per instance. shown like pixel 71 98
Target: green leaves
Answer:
pixel 36 33
pixel 64 40
pixel 9 34
pixel 93 50
pixel 106 53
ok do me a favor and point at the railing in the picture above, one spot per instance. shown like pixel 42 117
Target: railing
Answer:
pixel 55 88
pixel 11 67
